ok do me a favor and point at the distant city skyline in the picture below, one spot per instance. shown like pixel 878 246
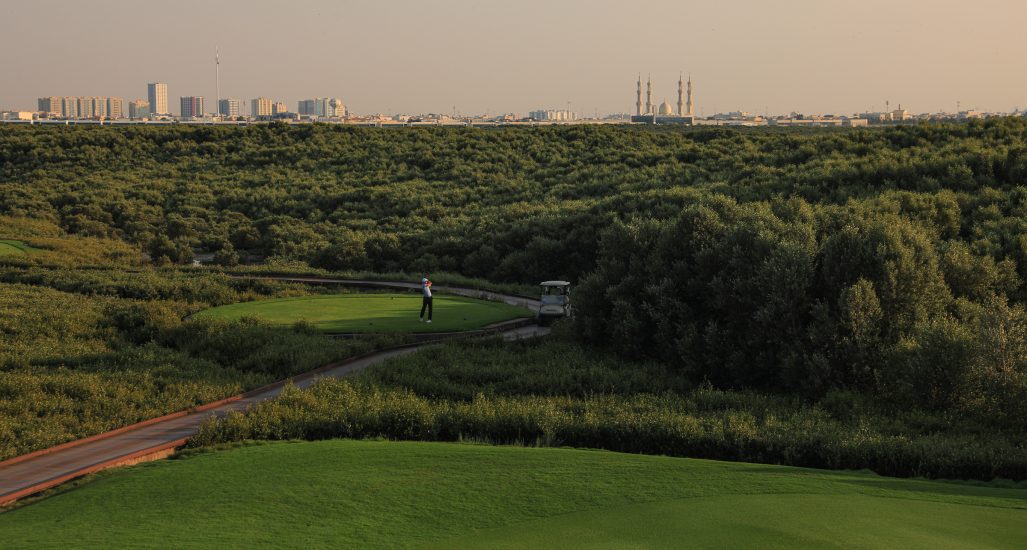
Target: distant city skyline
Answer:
pixel 490 57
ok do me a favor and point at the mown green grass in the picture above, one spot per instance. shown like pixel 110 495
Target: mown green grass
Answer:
pixel 373 312
pixel 763 521
pixel 357 494
pixel 10 247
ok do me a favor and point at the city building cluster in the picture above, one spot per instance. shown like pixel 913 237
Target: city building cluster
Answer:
pixel 896 116
pixel 650 113
pixel 564 115
pixel 82 107
pixel 156 107
pixel 328 107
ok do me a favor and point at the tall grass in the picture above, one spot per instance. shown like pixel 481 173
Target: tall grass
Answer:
pixel 561 394
pixel 643 423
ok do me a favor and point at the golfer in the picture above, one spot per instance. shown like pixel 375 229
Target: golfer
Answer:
pixel 426 302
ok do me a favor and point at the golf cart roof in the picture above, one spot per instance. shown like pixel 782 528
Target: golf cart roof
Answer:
pixel 555 283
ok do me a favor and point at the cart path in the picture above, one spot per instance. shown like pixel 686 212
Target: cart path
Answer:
pixel 157 438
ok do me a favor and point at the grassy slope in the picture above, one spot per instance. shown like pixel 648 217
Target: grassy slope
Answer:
pixel 51 246
pixel 10 247
pixel 366 493
pixel 374 312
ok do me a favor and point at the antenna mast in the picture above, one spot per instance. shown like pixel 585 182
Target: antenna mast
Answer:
pixel 217 79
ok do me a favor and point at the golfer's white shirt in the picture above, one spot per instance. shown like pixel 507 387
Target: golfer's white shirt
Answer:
pixel 427 289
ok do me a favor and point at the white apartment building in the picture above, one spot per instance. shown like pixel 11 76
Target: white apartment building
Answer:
pixel 50 105
pixel 553 115
pixel 115 108
pixel 157 93
pixel 69 107
pixel 230 107
pixel 327 107
pixel 139 109
pixel 261 106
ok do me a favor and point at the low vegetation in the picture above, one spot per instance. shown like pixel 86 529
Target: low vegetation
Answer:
pixel 10 247
pixel 109 351
pixel 43 242
pixel 559 394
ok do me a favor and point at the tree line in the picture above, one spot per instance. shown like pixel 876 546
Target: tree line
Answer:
pixel 506 204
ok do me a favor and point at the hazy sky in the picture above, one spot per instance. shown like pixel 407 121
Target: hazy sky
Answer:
pixel 813 56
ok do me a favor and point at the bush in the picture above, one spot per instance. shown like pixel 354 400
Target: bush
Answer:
pixel 558 393
pixel 642 423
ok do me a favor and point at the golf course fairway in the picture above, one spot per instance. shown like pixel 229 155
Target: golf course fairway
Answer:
pixel 373 312
pixel 357 494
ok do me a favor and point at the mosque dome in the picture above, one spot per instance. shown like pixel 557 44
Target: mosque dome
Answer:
pixel 665 108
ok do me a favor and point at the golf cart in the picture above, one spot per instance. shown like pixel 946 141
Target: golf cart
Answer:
pixel 555 301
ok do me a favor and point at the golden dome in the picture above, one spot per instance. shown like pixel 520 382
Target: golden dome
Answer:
pixel 665 108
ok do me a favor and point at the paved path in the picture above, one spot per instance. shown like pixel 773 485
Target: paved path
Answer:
pixel 29 474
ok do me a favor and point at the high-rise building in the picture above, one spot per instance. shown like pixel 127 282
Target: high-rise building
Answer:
pixel 229 107
pixel 138 109
pixel 115 108
pixel 85 107
pixel 192 107
pixel 334 107
pixel 279 108
pixel 69 107
pixel 99 107
pixel 322 107
pixel 50 105
pixel 158 96
pixel 306 107
pixel 260 106
pixel 562 115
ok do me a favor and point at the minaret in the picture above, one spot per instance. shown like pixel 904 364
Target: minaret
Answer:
pixel 649 96
pixel 680 105
pixel 638 101
pixel 690 112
